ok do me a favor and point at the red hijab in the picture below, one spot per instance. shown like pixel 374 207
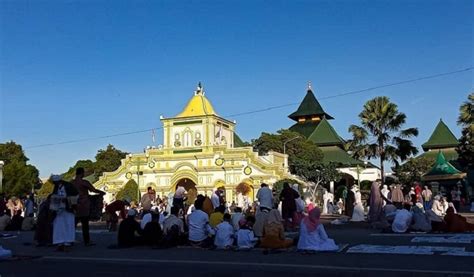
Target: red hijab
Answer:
pixel 312 220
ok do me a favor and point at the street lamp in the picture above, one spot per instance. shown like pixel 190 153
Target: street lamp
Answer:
pixel 284 144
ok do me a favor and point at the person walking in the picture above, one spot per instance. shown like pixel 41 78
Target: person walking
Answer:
pixel 83 203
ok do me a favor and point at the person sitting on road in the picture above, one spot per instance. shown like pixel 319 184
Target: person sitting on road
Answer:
pixel 128 230
pixel 224 238
pixel 152 233
pixel 260 219
pixel 403 219
pixel 274 232
pixel 199 228
pixel 245 236
pixel 421 220
pixel 236 217
pixel 313 236
pixel 173 229
pixel 456 223
pixel 217 216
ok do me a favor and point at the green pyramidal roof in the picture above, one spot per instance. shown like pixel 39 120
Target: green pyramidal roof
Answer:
pixel 325 135
pixel 442 167
pixel 310 106
pixel 238 141
pixel 441 137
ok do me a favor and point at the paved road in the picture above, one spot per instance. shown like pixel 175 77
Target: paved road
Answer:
pixel 101 261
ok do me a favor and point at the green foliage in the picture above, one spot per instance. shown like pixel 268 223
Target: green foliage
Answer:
pixel 298 148
pixel 413 169
pixel 19 178
pixel 466 142
pixel 278 186
pixel 130 191
pixel 381 135
pixel 45 190
pixel 365 185
pixel 88 165
pixel 108 159
pixel 316 172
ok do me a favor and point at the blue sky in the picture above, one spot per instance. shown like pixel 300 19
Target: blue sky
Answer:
pixel 79 69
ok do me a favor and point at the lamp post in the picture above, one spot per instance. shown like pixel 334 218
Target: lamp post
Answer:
pixel 284 144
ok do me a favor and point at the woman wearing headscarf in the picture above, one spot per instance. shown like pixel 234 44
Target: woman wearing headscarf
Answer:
pixel 64 223
pixel 397 196
pixel 313 237
pixel 376 203
pixel 44 224
pixel 421 221
pixel 350 200
pixel 358 214
pixel 385 191
pixel 456 223
pixel 274 232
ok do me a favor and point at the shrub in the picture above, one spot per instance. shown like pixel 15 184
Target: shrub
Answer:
pixel 130 191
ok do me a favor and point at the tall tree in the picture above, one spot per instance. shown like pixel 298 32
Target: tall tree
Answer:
pixel 291 143
pixel 19 177
pixel 466 142
pixel 413 169
pixel 108 159
pixel 381 135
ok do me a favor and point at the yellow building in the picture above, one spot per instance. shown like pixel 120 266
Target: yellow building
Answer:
pixel 200 150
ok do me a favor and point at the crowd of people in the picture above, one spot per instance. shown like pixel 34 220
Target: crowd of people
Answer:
pixel 275 221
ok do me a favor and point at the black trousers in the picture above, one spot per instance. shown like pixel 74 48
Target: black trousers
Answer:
pixel 84 220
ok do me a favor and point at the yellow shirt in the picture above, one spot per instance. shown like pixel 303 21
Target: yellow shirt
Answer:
pixel 215 219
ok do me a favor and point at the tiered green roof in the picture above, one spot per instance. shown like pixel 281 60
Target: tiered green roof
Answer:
pixel 442 170
pixel 441 137
pixel 309 107
pixel 325 135
pixel 321 132
pixel 238 141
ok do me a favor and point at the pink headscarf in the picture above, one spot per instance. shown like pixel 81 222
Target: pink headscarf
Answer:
pixel 312 220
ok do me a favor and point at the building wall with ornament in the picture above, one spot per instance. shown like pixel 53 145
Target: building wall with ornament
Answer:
pixel 201 151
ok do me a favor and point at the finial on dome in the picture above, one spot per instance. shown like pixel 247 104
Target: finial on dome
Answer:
pixel 199 89
pixel 309 85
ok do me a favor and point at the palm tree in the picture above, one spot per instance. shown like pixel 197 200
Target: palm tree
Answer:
pixel 381 135
pixel 466 111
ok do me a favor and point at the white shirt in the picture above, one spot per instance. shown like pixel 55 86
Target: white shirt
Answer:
pixel 246 239
pixel 235 220
pixel 170 222
pixel 199 228
pixel 146 218
pixel 215 200
pixel 265 197
pixel 224 235
pixel 402 221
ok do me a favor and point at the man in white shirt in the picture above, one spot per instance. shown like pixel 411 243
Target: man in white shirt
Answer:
pixel 236 217
pixel 215 199
pixel 224 234
pixel 199 228
pixel 173 229
pixel 265 197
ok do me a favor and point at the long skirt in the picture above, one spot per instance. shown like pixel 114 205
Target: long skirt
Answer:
pixel 63 228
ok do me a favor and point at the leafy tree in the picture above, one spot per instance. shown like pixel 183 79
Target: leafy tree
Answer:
pixel 466 142
pixel 316 173
pixel 18 177
pixel 413 169
pixel 108 159
pixel 381 135
pixel 88 165
pixel 45 190
pixel 130 191
pixel 298 148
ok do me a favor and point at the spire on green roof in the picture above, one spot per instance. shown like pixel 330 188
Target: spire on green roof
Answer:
pixel 442 167
pixel 441 137
pixel 309 107
pixel 325 135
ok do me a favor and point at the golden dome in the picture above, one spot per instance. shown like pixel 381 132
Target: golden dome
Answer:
pixel 199 105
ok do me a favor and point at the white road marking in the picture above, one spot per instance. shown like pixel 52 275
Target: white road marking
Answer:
pixel 272 265
pixel 408 250
pixel 445 239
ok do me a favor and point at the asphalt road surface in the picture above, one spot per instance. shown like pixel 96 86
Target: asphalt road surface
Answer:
pixel 101 261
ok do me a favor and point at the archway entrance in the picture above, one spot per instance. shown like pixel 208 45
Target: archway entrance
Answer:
pixel 190 187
